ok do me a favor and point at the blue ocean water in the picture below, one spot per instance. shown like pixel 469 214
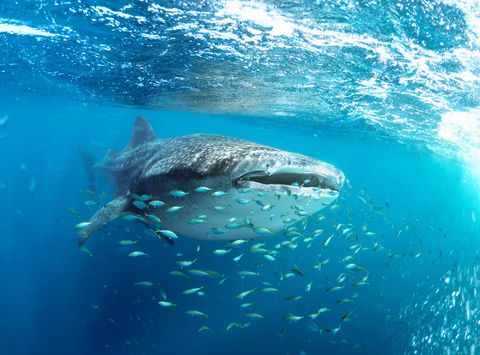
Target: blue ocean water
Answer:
pixel 388 91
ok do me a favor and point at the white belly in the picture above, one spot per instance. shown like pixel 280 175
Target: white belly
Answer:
pixel 239 215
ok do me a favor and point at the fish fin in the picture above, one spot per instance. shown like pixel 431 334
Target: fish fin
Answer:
pixel 142 133
pixel 107 213
pixel 89 161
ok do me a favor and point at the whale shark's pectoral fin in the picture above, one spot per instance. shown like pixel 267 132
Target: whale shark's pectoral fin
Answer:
pixel 107 213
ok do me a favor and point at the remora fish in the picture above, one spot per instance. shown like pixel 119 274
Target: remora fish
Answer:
pixel 154 167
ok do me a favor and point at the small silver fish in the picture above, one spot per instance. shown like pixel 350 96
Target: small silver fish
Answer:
pixel 247 273
pixel 243 201
pixel 166 304
pixel 143 283
pixel 178 193
pixel 185 263
pixel 167 233
pixel 82 225
pixel 269 257
pixel 154 218
pixel 218 230
pixel 196 313
pixel 192 290
pixel 263 231
pixel 196 221
pixel 127 242
pixel 293 317
pixel 220 252
pixel 140 204
pixel 202 189
pixel 309 286
pixel 156 203
pixel 237 258
pixel 174 209
pixel 244 294
pixel 135 254
pixel 178 273
pixel 256 315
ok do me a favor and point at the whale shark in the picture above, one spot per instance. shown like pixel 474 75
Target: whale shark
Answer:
pixel 211 187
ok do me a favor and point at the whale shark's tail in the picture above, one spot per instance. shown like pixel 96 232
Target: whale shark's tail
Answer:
pixel 89 162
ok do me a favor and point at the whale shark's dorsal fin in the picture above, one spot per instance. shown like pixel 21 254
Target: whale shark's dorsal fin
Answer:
pixel 142 133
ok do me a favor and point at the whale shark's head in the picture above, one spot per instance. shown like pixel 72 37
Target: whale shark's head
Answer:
pixel 288 173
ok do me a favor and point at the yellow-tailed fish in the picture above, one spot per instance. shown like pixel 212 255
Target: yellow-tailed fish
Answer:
pixel 354 267
pixel 247 273
pixel 244 294
pixel 154 218
pixel 174 209
pixel 194 221
pixel 293 317
pixel 178 273
pixel 334 288
pixel 202 189
pixel 327 241
pixel 298 272
pixel 194 312
pixel 186 263
pixel 143 283
pixel 256 315
pixel 167 233
pixel 220 252
pixel 292 298
pixel 204 328
pixel 162 292
pixel 156 203
pixel 269 289
pixel 140 204
pixel 71 209
pixel 82 225
pixel 84 249
pixel 198 272
pixel 263 231
pixel 136 254
pixel 344 300
pixel 237 258
pixel 309 286
pixel 127 242
pixel 178 193
pixel 346 316
pixel 233 324
pixel 192 290
pixel 166 304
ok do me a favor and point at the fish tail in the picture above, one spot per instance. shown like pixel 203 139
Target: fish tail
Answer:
pixel 89 161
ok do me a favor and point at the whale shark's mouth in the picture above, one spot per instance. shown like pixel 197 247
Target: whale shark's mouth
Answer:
pixel 289 178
